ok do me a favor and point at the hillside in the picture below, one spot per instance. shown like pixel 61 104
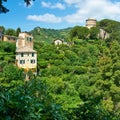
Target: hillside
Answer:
pixel 72 82
pixel 49 35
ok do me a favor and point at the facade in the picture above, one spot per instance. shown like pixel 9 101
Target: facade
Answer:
pixel 26 57
pixel 8 38
pixel 91 22
pixel 58 42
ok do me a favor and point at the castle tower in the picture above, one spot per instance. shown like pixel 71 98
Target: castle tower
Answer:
pixel 91 22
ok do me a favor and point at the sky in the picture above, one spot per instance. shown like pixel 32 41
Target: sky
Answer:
pixel 57 14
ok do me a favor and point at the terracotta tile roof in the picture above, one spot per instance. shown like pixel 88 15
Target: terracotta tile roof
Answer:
pixel 25 49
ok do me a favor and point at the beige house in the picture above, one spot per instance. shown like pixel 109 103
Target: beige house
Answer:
pixel 8 38
pixel 26 57
pixel 58 42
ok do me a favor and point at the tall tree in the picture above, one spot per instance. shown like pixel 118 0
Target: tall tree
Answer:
pixel 83 32
pixel 79 32
pixel 94 31
pixel 18 31
pixel 74 32
pixel 2 29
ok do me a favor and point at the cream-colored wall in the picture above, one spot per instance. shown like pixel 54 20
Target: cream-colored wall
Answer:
pixel 20 43
pixel 9 38
pixel 25 35
pixel 27 59
pixel 58 42
pixel 5 38
pixel 22 40
pixel 21 35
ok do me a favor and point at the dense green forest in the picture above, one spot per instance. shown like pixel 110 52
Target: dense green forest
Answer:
pixel 80 81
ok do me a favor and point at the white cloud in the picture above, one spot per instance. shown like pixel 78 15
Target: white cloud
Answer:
pixel 48 18
pixel 46 4
pixel 98 9
pixel 70 2
pixel 58 5
pixel 53 6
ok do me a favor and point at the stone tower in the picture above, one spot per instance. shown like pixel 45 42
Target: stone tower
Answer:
pixel 24 39
pixel 91 22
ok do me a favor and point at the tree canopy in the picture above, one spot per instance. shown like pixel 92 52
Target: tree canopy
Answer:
pixel 3 9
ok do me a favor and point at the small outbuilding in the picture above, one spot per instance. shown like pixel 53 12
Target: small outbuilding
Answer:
pixel 58 42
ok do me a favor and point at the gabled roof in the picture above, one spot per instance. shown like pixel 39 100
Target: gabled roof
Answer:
pixel 25 49
pixel 62 40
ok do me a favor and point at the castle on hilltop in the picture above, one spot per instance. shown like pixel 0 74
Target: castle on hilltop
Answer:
pixel 91 22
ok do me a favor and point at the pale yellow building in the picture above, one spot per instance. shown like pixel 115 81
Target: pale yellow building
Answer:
pixel 8 38
pixel 26 56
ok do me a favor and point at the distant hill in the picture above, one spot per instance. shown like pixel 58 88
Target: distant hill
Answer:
pixel 49 35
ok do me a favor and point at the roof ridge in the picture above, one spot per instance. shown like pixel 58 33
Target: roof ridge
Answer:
pixel 25 49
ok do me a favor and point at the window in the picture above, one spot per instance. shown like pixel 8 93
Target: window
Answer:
pixel 30 39
pixel 32 54
pixel 22 54
pixel 22 61
pixel 32 61
pixel 8 38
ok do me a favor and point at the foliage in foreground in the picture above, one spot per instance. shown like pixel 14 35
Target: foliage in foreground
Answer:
pixel 27 101
pixel 79 81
